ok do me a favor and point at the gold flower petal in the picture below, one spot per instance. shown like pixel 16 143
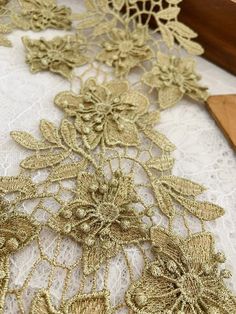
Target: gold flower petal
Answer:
pixel 17 230
pixel 94 256
pixel 117 88
pixel 94 303
pixel 140 101
pixel 125 192
pixel 68 101
pixel 133 234
pixel 204 243
pixel 99 90
pixel 168 96
pixel 84 182
pixel 127 136
pixel 151 295
pixel 167 243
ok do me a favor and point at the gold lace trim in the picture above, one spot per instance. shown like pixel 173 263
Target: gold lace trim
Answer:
pixel 91 162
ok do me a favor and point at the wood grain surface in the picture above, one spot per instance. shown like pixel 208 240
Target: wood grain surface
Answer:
pixel 215 22
pixel 223 109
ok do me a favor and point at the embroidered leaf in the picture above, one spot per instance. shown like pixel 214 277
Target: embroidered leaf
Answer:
pixel 89 22
pixel 182 186
pixel 168 14
pixel 159 139
pixel 163 199
pixel 167 35
pixel 50 132
pixel 43 161
pixel 68 132
pixel 104 28
pixel 67 171
pixel 118 4
pixel 15 184
pixel 182 29
pixel 26 140
pixel 202 210
pixel 192 47
pixel 162 163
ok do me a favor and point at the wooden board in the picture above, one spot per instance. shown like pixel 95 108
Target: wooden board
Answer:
pixel 223 109
pixel 215 22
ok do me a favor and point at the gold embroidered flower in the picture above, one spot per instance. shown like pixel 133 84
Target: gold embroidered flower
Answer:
pixel 125 49
pixel 184 279
pixel 173 77
pixel 102 218
pixel 43 14
pixel 105 113
pixel 60 55
pixel 96 303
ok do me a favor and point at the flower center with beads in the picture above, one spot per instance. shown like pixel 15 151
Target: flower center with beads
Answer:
pixel 103 108
pixel 108 212
pixel 190 286
pixel 126 46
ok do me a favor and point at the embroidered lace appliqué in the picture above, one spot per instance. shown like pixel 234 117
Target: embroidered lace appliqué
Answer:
pixel 100 181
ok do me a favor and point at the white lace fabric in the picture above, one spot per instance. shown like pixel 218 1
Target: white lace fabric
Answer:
pixel 202 155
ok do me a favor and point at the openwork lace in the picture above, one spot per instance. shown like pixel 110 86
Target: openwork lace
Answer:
pixel 102 179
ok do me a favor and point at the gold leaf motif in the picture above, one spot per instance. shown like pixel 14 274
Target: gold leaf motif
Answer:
pixel 28 141
pixel 168 14
pixel 160 140
pixel 182 186
pixel 166 35
pixel 17 184
pixel 162 163
pixel 163 199
pixel 104 27
pixel 203 210
pixel 89 22
pixel 182 29
pixel 67 171
pixel 50 132
pixel 191 46
pixel 43 160
pixel 69 134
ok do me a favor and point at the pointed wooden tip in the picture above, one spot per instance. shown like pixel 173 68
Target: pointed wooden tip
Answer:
pixel 223 109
